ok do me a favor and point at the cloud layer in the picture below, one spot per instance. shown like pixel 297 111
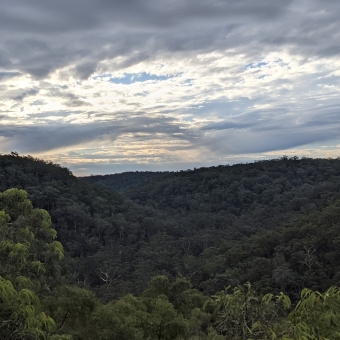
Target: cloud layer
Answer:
pixel 105 86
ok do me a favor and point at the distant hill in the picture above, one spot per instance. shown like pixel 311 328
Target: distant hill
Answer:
pixel 122 181
pixel 275 223
pixel 258 190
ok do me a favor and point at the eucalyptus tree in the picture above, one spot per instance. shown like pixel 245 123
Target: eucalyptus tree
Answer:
pixel 29 255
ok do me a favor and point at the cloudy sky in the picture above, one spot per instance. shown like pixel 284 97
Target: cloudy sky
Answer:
pixel 105 86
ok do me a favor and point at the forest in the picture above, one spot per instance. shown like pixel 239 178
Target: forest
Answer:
pixel 244 251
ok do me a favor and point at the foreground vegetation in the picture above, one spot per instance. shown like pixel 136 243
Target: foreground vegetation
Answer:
pixel 171 258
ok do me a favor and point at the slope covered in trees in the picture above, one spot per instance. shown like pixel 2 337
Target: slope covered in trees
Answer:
pixel 36 305
pixel 263 222
pixel 214 226
pixel 121 182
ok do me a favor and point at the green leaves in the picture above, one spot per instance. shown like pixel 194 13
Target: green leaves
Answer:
pixel 19 314
pixel 27 245
pixel 7 291
pixel 317 315
pixel 57 249
pixel 27 250
pixel 132 318
pixel 15 202
pixel 71 308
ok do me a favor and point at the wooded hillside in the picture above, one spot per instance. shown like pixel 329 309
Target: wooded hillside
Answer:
pixel 274 224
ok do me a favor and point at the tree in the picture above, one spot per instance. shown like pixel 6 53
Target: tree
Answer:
pixel 27 242
pixel 28 252
pixel 244 315
pixel 316 316
pixel 71 307
pixel 20 314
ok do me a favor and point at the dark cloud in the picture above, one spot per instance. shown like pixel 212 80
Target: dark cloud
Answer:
pixel 265 130
pixel 39 138
pixel 53 114
pixel 85 69
pixel 64 16
pixel 42 36
pixel 7 75
pixel 19 94
pixel 226 125
pixel 225 137
pixel 24 94
pixel 70 99
pixel 250 142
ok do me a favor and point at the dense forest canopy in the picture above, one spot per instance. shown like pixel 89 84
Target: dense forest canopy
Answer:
pixel 190 234
pixel 122 181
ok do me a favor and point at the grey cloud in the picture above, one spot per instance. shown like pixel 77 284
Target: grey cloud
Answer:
pixel 53 114
pixel 243 142
pixel 77 103
pixel 225 125
pixel 19 95
pixel 281 119
pixel 29 93
pixel 49 137
pixel 85 69
pixel 273 129
pixel 43 138
pixel 46 35
pixel 71 100
pixel 46 17
pixel 7 75
pixel 58 17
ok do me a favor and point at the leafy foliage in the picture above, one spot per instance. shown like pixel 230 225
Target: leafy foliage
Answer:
pixel 27 253
pixel 189 234
pixel 215 226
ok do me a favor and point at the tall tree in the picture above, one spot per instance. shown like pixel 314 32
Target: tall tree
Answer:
pixel 28 257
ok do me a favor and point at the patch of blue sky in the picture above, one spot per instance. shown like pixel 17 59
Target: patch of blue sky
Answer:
pixel 130 78
pixel 258 64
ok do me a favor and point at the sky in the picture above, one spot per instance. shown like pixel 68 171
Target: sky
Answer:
pixel 107 86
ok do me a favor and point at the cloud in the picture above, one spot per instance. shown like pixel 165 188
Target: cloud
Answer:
pixel 168 82
pixel 6 75
pixel 42 138
pixel 46 36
